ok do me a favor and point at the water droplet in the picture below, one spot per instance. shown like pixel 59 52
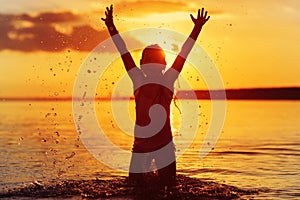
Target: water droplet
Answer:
pixel 57 133
pixel 70 156
pixel 60 172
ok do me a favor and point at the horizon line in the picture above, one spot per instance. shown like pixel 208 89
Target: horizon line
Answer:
pixel 275 93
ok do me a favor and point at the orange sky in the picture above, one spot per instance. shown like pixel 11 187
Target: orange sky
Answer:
pixel 42 44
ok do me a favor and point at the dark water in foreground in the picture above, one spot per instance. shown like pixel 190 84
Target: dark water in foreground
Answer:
pixel 118 188
pixel 257 155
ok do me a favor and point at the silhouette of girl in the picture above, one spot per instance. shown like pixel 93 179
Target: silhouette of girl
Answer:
pixel 153 90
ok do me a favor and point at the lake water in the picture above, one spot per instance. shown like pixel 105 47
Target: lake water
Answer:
pixel 259 147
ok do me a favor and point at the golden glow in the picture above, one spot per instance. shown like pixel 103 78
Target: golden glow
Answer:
pixel 251 45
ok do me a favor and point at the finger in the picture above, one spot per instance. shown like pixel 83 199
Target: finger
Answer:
pixel 198 13
pixel 106 13
pixel 205 14
pixel 202 12
pixel 107 9
pixel 110 9
pixel 207 19
pixel 192 17
pixel 103 19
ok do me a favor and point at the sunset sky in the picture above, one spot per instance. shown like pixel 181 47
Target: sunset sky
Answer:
pixel 43 43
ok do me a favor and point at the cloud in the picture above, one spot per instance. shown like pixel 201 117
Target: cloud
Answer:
pixel 143 8
pixel 57 31
pixel 48 17
pixel 38 33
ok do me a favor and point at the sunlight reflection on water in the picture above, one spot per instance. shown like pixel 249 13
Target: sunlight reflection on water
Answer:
pixel 259 146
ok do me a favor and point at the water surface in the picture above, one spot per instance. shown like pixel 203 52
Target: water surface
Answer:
pixel 259 147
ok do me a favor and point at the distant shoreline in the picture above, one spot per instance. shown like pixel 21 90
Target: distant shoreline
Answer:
pixel 288 93
pixel 291 93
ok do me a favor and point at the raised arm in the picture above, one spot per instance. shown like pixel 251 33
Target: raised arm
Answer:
pixel 118 41
pixel 201 19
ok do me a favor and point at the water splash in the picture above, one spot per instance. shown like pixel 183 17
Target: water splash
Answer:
pixel 186 188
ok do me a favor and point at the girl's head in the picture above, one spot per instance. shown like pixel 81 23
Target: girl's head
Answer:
pixel 155 55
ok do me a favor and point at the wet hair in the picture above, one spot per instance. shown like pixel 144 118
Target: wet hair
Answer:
pixel 153 54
